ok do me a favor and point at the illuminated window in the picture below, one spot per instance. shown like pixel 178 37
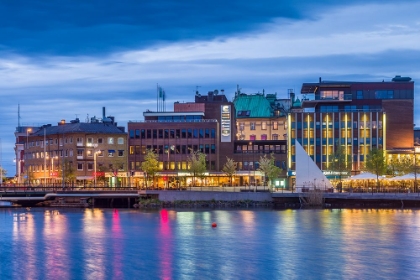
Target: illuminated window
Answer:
pixel 275 125
pixel 120 140
pixel 110 140
pixel 264 125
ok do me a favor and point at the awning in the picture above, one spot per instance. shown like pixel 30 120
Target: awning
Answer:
pixel 84 178
pixel 111 151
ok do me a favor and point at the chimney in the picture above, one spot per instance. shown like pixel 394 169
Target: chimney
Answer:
pixel 320 80
pixel 103 112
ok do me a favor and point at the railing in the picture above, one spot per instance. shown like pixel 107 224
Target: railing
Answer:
pixel 19 189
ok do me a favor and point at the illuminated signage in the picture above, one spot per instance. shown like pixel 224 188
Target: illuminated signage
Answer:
pixel 226 124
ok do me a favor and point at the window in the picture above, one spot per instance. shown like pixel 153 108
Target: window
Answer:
pixel 252 137
pixel 132 149
pixel 264 125
pixel 275 125
pixel 275 137
pixel 263 136
pixel 80 166
pixel 100 153
pixel 71 152
pixel 120 140
pixel 252 126
pixel 120 153
pixel 131 134
pixel 90 166
pixel 79 152
pixel 110 140
pixel 100 140
pixel 359 94
pixel 241 126
pixel 79 140
pixel 89 140
pixel 332 94
pixel 111 153
pixel 89 153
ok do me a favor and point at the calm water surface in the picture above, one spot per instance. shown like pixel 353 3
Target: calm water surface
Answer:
pixel 167 244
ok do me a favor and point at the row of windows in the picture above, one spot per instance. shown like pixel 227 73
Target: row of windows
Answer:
pixel 252 125
pixel 80 167
pixel 79 140
pixel 173 165
pixel 349 108
pixel 337 125
pixel 69 153
pixel 175 149
pixel 172 133
pixel 261 149
pixel 342 141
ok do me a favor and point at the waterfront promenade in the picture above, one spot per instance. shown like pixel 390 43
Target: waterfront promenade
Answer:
pixel 127 196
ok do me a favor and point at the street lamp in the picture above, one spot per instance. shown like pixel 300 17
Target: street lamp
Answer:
pixel 94 166
pixel 172 147
pixel 94 162
pixel 52 167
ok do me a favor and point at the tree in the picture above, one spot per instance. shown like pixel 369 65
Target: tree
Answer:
pixel 197 164
pixel 100 176
pixel 399 165
pixel 341 163
pixel 229 168
pixel 69 172
pixel 268 168
pixel 376 163
pixel 150 165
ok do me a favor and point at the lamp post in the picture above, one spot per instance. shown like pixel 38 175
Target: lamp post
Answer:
pixel 27 142
pixel 172 147
pixel 94 166
pixel 52 168
pixel 95 152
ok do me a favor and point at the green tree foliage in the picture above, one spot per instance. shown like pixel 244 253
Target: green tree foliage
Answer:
pixel 400 165
pixel 69 172
pixel 229 168
pixel 268 168
pixel 340 163
pixel 197 164
pixel 376 163
pixel 150 165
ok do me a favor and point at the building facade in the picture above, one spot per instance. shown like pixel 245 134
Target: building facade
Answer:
pixel 358 116
pixel 79 154
pixel 206 125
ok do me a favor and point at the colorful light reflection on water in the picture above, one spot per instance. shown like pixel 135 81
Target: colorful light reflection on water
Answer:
pixel 167 244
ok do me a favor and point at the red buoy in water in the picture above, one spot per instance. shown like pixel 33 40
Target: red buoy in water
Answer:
pixel 213 225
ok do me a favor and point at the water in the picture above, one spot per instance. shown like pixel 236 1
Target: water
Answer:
pixel 263 244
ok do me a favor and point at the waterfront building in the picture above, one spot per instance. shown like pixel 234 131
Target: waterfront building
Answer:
pixel 77 153
pixel 261 130
pixel 21 139
pixel 205 125
pixel 357 116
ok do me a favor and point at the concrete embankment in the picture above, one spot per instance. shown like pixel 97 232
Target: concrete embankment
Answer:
pixel 206 195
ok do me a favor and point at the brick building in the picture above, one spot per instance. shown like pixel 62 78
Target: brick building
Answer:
pixel 72 152
pixel 206 125
pixel 358 116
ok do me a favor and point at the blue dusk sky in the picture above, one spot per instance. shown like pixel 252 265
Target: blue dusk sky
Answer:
pixel 66 59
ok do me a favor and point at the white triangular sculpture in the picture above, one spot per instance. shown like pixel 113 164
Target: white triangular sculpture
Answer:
pixel 308 175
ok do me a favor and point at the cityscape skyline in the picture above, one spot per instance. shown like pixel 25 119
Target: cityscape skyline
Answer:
pixel 68 66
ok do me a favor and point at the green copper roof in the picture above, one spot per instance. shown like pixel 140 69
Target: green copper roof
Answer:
pixel 252 106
